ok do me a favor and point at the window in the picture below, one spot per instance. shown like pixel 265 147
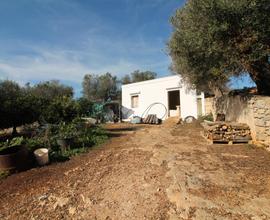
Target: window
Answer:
pixel 134 101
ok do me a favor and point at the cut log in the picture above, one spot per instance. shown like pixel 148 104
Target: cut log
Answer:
pixel 227 132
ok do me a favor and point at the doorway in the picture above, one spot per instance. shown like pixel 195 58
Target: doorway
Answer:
pixel 174 103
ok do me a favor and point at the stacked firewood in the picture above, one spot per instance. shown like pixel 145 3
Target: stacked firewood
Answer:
pixel 227 132
pixel 151 119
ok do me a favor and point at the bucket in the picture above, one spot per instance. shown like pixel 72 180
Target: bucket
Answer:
pixel 42 156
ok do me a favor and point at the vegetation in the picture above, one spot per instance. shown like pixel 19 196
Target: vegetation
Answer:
pixel 208 117
pixel 138 76
pixel 48 102
pixel 57 113
pixel 214 40
pixel 51 90
pixel 11 143
pixel 59 109
pixel 100 88
pixel 18 106
pixel 83 135
pixel 85 107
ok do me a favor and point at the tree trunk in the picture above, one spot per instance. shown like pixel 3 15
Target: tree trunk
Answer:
pixel 218 92
pixel 259 72
pixel 14 131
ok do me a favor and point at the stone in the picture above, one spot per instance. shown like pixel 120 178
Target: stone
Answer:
pixel 261 111
pixel 260 122
pixel 267 131
pixel 72 210
pixel 267 117
pixel 261 136
pixel 257 116
pixel 260 104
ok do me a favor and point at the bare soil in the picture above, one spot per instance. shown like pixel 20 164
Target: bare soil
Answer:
pixel 163 171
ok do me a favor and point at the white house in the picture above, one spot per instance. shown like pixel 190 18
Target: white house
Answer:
pixel 172 96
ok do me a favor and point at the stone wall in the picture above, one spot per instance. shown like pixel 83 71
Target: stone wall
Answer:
pixel 209 108
pixel 253 110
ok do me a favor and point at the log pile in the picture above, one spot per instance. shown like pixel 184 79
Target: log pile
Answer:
pixel 151 119
pixel 227 132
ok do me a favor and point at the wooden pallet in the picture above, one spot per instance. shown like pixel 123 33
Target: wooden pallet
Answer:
pixel 151 119
pixel 229 142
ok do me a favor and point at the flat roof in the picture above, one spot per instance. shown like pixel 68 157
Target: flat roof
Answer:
pixel 165 78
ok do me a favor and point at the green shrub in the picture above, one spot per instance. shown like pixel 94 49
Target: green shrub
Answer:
pixel 46 136
pixel 83 137
pixel 11 143
pixel 34 143
pixel 208 117
pixel 85 107
pixel 4 174
pixel 60 109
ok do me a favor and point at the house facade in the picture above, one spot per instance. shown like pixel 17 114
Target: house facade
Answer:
pixel 165 97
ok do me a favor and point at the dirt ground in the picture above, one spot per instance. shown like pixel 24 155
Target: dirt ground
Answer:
pixel 146 172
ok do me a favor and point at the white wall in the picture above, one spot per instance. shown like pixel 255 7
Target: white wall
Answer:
pixel 156 90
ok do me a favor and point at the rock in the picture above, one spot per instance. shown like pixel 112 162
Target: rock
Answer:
pixel 72 210
pixel 43 197
pixel 260 104
pixel 60 202
pixel 260 122
pixel 261 111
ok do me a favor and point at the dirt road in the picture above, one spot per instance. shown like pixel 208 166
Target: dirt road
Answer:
pixel 146 172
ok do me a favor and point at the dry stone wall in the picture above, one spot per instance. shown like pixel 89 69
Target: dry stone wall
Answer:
pixel 253 110
pixel 208 102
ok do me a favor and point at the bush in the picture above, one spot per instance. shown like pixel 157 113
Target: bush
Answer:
pixel 60 109
pixel 85 107
pixel 49 101
pixel 83 136
pixel 11 143
pixel 208 117
pixel 34 143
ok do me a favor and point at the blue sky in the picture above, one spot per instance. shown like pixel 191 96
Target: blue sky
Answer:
pixel 66 39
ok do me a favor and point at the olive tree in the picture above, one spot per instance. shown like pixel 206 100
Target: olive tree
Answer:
pixel 18 106
pixel 138 76
pixel 213 40
pixel 100 87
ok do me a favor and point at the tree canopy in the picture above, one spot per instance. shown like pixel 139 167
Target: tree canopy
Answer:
pixel 17 107
pixel 100 87
pixel 138 76
pixel 49 102
pixel 51 89
pixel 214 40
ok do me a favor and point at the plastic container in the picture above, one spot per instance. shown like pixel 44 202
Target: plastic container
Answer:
pixel 42 156
pixel 136 120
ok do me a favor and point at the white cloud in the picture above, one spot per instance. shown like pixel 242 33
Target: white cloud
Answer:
pixel 67 65
pixel 99 48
